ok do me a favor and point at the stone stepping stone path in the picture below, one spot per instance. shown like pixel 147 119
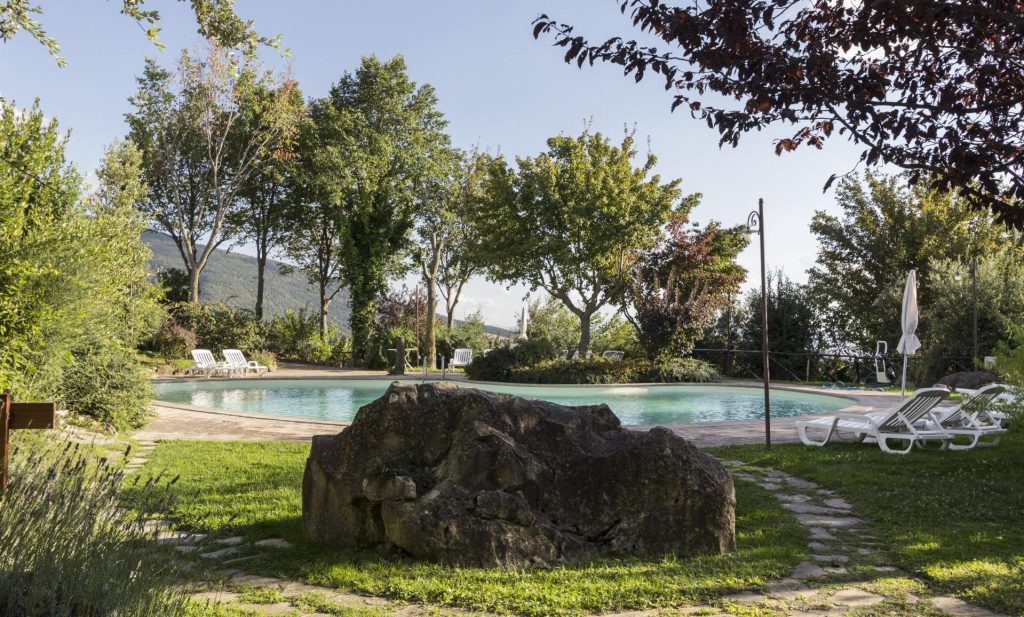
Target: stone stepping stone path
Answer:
pixel 847 573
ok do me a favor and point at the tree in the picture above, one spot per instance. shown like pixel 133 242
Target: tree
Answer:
pixel 999 279
pixel 793 325
pixel 884 231
pixel 445 234
pixel 312 225
pixel 575 212
pixel 204 132
pixel 932 87
pixel 386 141
pixel 264 198
pixel 216 19
pixel 74 300
pixel 676 288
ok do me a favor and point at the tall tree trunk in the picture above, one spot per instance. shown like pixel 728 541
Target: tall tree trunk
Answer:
pixel 193 283
pixel 261 266
pixel 584 333
pixel 431 333
pixel 364 308
pixel 325 305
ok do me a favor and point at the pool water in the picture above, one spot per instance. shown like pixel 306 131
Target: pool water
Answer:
pixel 339 399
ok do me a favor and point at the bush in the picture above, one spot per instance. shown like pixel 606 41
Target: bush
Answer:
pixel 218 326
pixel 677 370
pixel 109 385
pixel 266 358
pixel 499 363
pixel 591 371
pixel 173 341
pixel 68 547
pixel 296 336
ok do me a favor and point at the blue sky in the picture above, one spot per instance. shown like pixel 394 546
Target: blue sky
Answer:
pixel 499 88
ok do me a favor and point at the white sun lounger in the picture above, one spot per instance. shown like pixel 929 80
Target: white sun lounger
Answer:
pixel 235 360
pixel 613 355
pixel 897 424
pixel 971 418
pixel 205 364
pixel 989 414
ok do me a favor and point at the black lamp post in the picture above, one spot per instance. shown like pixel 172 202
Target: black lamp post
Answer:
pixel 755 225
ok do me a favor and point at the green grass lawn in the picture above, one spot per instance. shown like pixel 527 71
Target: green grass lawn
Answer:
pixel 254 489
pixel 956 518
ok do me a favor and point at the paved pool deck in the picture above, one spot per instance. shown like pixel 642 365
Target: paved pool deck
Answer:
pixel 176 421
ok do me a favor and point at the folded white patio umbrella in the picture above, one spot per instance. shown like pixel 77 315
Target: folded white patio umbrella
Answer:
pixel 909 343
pixel 522 323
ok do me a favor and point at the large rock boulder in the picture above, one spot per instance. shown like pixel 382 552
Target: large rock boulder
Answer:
pixel 461 476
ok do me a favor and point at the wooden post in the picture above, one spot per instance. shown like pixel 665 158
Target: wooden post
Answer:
pixel 399 357
pixel 5 412
pixel 15 416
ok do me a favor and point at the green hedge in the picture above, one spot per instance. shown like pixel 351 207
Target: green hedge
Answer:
pixel 502 365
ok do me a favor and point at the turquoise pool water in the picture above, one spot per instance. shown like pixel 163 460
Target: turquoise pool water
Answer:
pixel 339 399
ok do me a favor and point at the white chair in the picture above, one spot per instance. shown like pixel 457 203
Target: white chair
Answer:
pixel 971 418
pixel 613 355
pixel 1007 396
pixel 461 358
pixel 897 424
pixel 205 364
pixel 236 361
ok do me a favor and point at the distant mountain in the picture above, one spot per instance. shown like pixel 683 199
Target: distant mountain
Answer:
pixel 231 278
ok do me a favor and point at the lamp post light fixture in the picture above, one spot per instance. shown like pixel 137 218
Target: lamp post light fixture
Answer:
pixel 755 225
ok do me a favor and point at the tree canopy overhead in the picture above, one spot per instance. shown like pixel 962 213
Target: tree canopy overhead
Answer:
pixel 935 88
pixel 216 20
pixel 566 220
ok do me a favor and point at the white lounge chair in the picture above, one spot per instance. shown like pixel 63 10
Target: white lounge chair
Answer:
pixel 971 418
pixel 613 355
pixel 1007 396
pixel 897 424
pixel 461 358
pixel 236 361
pixel 204 363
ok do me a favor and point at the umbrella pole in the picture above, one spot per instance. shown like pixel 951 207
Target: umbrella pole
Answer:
pixel 903 391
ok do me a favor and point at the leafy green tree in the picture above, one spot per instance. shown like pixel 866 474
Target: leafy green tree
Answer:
pixel 216 19
pixel 948 315
pixel 565 220
pixel 385 141
pixel 314 216
pixel 261 217
pixel 445 235
pixel 549 320
pixel 793 325
pixel 884 231
pixel 204 132
pixel 74 300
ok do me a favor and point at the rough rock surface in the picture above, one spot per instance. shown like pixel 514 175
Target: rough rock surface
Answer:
pixel 461 476
pixel 968 379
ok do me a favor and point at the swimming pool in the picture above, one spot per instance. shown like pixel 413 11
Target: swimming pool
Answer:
pixel 339 399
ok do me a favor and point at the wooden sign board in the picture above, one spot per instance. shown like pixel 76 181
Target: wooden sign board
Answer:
pixel 32 415
pixel 15 416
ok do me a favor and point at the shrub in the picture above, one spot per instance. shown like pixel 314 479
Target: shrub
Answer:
pixel 109 385
pixel 596 371
pixel 499 363
pixel 68 547
pixel 677 370
pixel 173 341
pixel 218 326
pixel 266 358
pixel 296 336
